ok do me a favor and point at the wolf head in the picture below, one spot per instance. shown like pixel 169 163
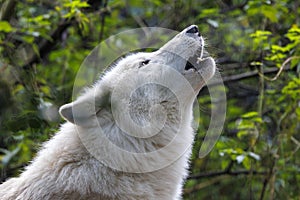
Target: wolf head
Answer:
pixel 159 77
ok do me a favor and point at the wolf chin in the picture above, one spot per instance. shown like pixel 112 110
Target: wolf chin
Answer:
pixel 127 137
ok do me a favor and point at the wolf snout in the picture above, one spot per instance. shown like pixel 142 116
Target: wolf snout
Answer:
pixel 193 29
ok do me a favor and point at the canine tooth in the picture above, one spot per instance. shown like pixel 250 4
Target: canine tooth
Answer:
pixel 202 50
pixel 199 59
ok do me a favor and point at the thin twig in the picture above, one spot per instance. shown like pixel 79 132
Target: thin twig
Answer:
pixel 261 91
pixel 267 179
pixel 297 143
pixel 280 68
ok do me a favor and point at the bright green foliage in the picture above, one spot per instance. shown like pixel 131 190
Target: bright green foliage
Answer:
pixel 5 27
pixel 43 43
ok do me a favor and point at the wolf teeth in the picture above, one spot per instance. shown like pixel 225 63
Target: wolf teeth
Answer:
pixel 199 59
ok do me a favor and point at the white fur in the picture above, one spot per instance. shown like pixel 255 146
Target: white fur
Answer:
pixel 65 168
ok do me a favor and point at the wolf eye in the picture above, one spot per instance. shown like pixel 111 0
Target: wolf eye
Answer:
pixel 143 63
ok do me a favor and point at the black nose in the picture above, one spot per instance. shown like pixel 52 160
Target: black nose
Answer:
pixel 193 29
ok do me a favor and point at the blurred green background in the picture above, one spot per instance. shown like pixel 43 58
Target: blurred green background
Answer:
pixel 256 46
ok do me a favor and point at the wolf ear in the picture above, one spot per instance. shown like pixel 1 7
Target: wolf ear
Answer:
pixel 78 112
pixel 83 111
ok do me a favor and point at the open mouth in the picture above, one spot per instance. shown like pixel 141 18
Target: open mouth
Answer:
pixel 189 66
pixel 194 62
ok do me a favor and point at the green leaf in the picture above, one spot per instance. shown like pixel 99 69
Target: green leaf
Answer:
pixel 250 114
pixel 298 113
pixel 269 12
pixel 293 33
pixel 5 27
pixel 210 12
pixel 28 39
pixel 247 163
pixel 275 48
pixel 241 134
pixel 260 34
pixel 256 63
pixel 36 49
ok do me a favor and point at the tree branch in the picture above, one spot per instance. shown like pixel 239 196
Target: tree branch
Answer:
pixel 217 177
pixel 204 184
pixel 103 15
pixel 226 172
pixel 246 75
pixel 7 9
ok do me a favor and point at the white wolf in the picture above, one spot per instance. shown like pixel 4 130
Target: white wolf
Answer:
pixel 142 154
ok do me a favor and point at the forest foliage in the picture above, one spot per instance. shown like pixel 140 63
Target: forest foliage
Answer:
pixel 257 48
